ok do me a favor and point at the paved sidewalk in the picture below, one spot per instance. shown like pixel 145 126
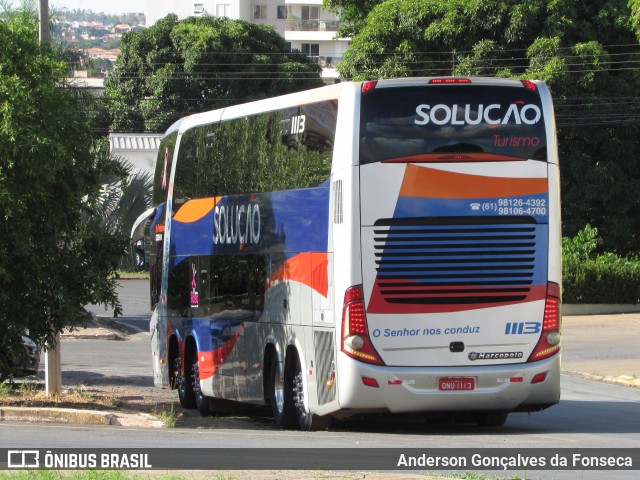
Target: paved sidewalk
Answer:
pixel 583 352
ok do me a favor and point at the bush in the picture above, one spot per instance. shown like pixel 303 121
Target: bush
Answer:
pixel 597 278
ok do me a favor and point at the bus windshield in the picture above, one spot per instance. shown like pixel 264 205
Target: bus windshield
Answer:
pixel 444 123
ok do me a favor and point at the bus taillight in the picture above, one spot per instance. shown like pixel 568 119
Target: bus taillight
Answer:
pixel 549 343
pixel 355 334
pixel 448 80
pixel 368 86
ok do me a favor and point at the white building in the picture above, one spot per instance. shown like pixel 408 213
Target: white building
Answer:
pixel 305 25
pixel 140 149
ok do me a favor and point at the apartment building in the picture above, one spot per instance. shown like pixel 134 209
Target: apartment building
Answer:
pixel 304 24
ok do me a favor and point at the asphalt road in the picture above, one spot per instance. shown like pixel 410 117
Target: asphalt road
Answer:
pixel 591 414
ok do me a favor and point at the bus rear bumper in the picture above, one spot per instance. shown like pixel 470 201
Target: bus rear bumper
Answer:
pixel 504 388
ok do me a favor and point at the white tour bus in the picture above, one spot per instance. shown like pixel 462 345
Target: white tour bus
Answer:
pixel 386 246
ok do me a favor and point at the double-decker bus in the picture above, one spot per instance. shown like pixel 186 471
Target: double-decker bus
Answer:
pixel 385 246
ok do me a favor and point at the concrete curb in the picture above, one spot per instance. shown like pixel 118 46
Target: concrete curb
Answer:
pixel 96 330
pixel 626 380
pixel 94 336
pixel 598 309
pixel 75 416
pixel 55 415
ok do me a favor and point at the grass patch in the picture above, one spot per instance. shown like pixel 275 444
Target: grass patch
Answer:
pixel 122 275
pixel 168 417
pixel 30 394
pixel 5 389
pixel 95 475
pixel 28 389
pixel 54 475
pixel 475 476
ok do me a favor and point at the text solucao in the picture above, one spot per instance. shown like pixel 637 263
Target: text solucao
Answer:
pixel 236 224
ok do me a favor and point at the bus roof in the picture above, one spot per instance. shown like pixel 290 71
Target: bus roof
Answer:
pixel 328 92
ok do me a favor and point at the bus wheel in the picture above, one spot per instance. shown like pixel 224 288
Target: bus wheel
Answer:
pixel 491 419
pixel 276 391
pixel 183 385
pixel 306 421
pixel 203 403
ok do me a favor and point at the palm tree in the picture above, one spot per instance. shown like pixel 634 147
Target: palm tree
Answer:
pixel 126 194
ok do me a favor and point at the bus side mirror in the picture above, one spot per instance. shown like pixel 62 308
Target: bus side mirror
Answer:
pixel 139 254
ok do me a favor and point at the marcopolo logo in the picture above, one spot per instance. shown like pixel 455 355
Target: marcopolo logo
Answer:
pixel 494 114
pixel 494 355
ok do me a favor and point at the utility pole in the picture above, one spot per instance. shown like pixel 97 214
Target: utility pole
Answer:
pixel 52 360
pixel 45 36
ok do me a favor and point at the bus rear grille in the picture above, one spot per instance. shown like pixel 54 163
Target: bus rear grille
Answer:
pixel 441 263
pixel 325 365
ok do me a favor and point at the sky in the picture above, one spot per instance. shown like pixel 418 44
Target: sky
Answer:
pixel 106 6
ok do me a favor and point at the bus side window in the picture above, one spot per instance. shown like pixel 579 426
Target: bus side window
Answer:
pixel 178 294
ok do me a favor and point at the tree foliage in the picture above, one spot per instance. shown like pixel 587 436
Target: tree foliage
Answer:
pixel 592 277
pixel 586 51
pixel 175 68
pixel 353 14
pixel 55 256
pixel 124 196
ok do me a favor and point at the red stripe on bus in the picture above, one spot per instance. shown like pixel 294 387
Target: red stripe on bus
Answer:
pixel 209 362
pixel 454 157
pixel 309 268
pixel 379 305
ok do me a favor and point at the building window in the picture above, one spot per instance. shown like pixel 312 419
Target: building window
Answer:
pixel 259 12
pixel 223 10
pixel 198 8
pixel 282 12
pixel 311 49
pixel 310 13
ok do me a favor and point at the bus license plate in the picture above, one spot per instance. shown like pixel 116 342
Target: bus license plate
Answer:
pixel 456 384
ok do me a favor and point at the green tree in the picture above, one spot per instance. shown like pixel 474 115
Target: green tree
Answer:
pixel 585 51
pixel 175 68
pixel 353 14
pixel 55 256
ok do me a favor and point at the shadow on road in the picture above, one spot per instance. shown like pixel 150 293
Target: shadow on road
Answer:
pixel 567 417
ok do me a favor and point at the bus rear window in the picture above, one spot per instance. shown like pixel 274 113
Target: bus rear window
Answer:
pixel 451 123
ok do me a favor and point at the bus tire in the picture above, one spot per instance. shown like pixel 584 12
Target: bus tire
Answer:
pixel 491 419
pixel 203 403
pixel 305 420
pixel 186 394
pixel 276 390
pixel 174 363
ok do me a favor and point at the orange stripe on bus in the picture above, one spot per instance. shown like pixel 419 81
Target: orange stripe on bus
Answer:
pixel 427 182
pixel 194 210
